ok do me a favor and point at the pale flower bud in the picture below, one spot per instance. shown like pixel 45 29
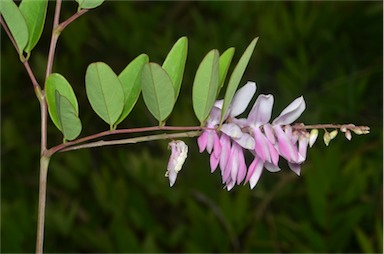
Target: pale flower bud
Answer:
pixel 348 135
pixel 357 130
pixel 333 134
pixel 327 138
pixel 313 136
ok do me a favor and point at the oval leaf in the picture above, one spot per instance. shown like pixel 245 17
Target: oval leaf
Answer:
pixel 89 4
pixel 225 61
pixel 15 22
pixel 158 91
pixel 70 124
pixel 34 12
pixel 104 92
pixel 205 85
pixel 56 82
pixel 174 63
pixel 236 76
pixel 130 79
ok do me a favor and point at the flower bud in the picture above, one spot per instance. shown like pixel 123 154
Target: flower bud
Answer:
pixel 327 138
pixel 313 136
pixel 333 134
pixel 348 135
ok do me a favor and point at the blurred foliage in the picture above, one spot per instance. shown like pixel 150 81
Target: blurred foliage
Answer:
pixel 116 199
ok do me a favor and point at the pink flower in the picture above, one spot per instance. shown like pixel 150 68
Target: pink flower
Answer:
pixel 266 141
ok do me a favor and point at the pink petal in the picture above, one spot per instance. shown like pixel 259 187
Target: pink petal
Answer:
pixel 214 161
pixel 210 140
pixel 202 141
pixel 230 184
pixel 291 112
pixel 256 174
pixel 295 167
pixel 242 98
pixel 225 151
pixel 288 132
pixel 261 111
pixel 228 167
pixel 269 133
pixel 234 161
pixel 216 145
pixel 242 166
pixel 261 146
pixel 286 148
pixel 274 153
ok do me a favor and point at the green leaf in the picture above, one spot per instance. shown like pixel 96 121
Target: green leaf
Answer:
pixel 236 76
pixel 56 82
pixel 174 63
pixel 15 22
pixel 130 79
pixel 69 122
pixel 205 85
pixel 158 92
pixel 89 4
pixel 225 61
pixel 34 12
pixel 104 92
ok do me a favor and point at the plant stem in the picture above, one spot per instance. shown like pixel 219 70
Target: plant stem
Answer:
pixel 54 38
pixel 44 162
pixel 134 140
pixel 60 147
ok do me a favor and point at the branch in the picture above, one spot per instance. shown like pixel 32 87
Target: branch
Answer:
pixel 342 127
pixel 60 147
pixel 135 140
pixel 57 29
pixel 71 19
pixel 54 38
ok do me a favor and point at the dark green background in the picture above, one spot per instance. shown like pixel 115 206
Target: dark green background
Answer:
pixel 116 199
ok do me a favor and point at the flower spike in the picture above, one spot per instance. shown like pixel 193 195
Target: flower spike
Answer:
pixel 267 142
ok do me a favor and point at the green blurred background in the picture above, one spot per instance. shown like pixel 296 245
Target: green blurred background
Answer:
pixel 116 199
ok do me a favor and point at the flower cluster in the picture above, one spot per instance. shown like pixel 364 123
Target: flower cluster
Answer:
pixel 266 141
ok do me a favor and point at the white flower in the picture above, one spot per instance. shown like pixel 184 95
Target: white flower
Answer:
pixel 176 161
